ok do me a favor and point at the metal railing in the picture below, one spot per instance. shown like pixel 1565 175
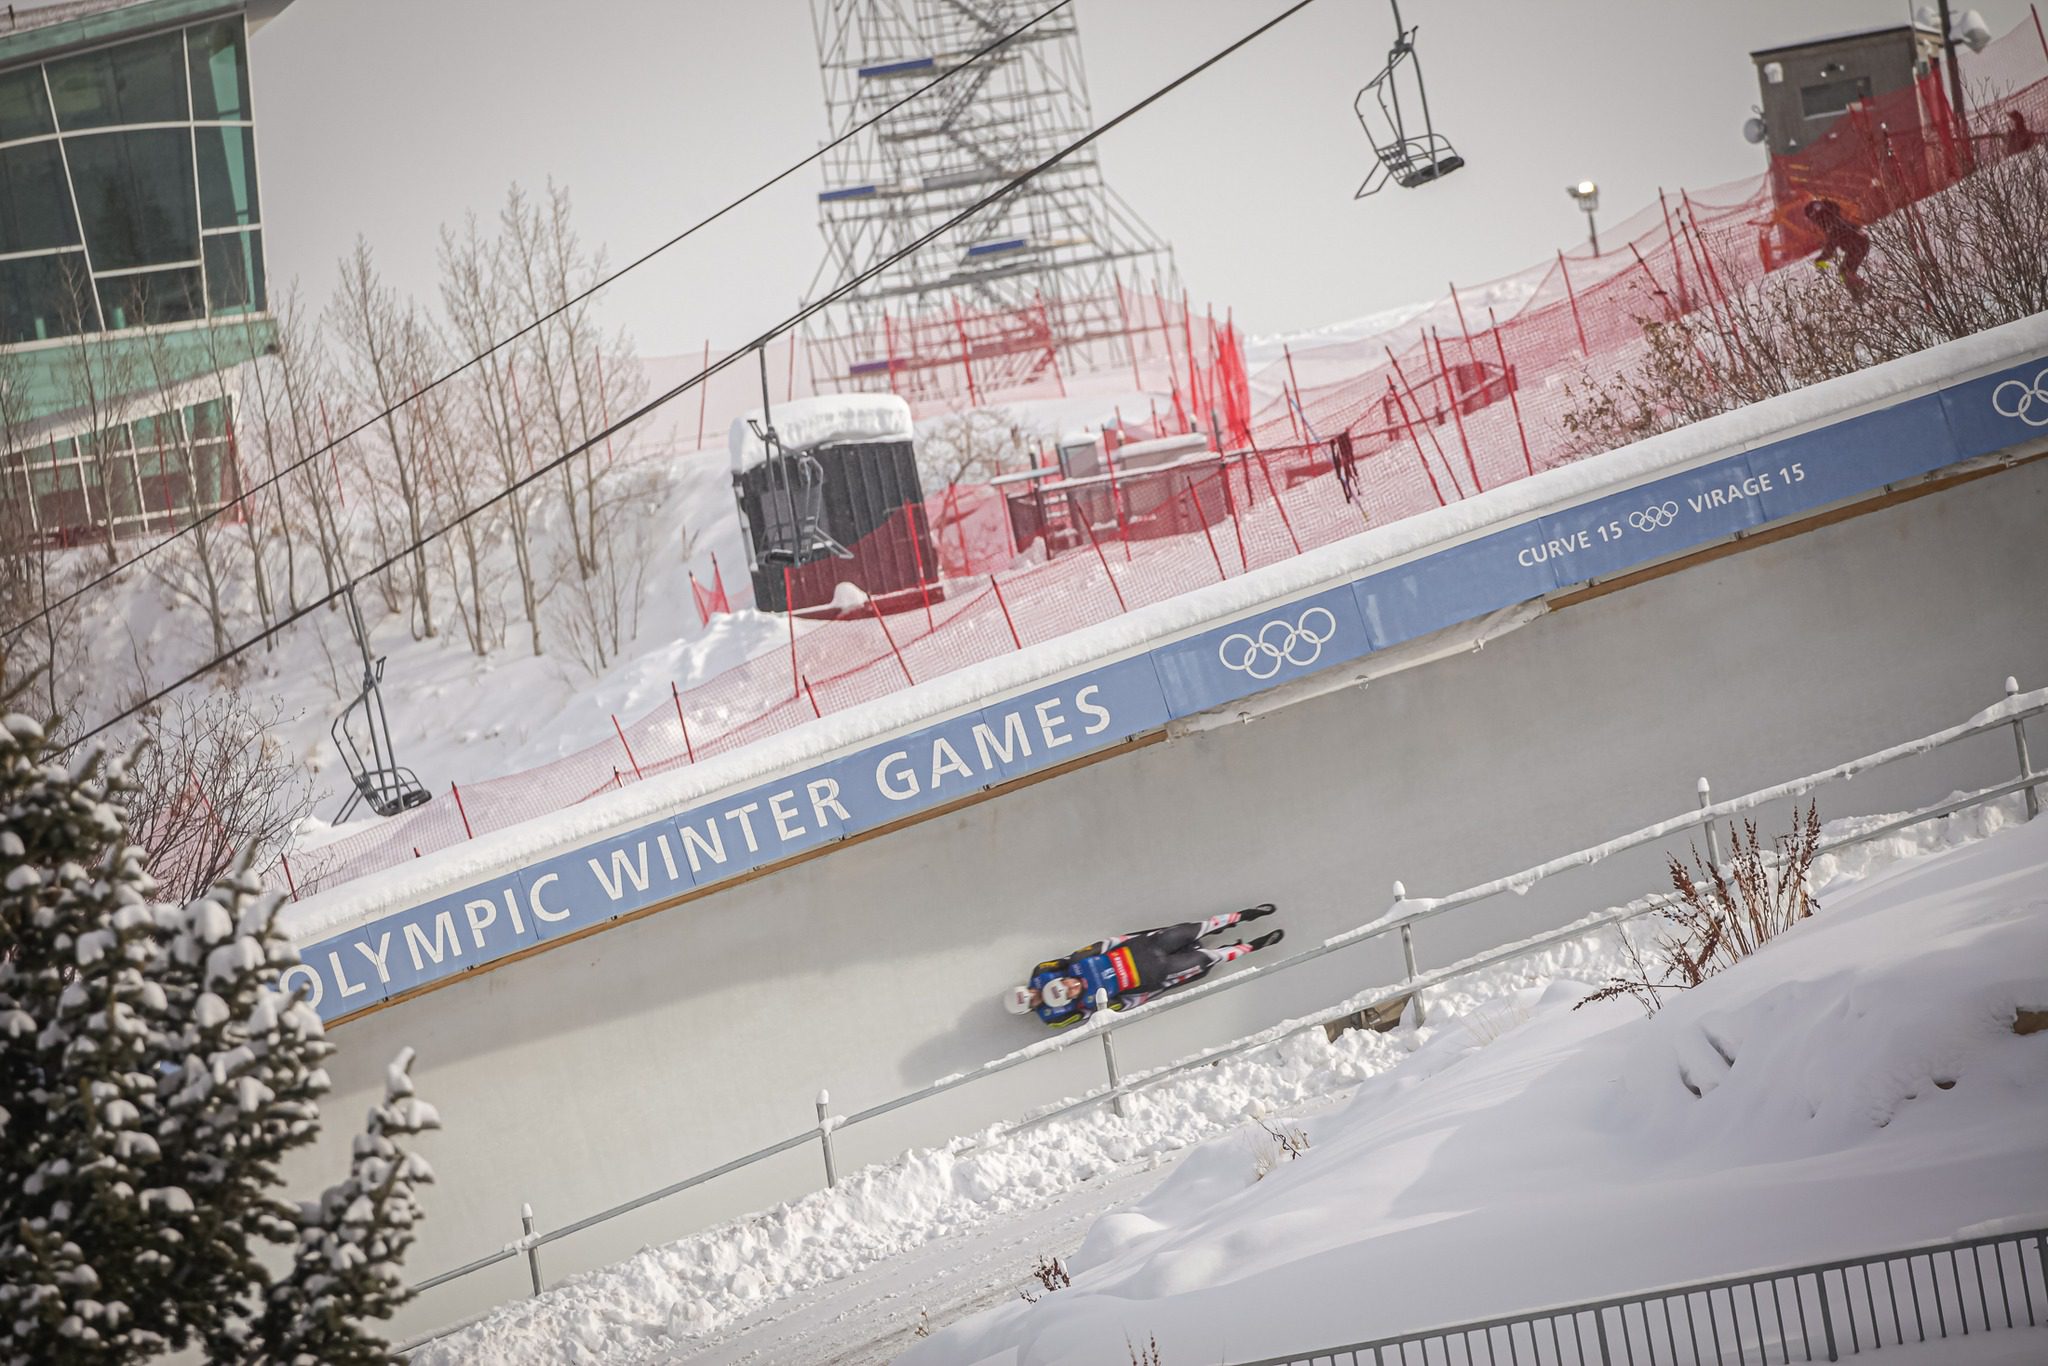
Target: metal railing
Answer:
pixel 1959 1288
pixel 1401 919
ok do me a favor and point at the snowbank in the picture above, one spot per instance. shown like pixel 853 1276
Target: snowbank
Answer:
pixel 1857 1086
pixel 1503 1119
pixel 802 423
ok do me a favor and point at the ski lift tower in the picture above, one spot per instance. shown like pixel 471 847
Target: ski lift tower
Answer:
pixel 1036 273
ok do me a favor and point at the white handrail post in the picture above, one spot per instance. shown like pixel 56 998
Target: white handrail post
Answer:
pixel 2019 739
pixel 1407 946
pixel 825 1138
pixel 1713 838
pixel 1109 1052
pixel 532 1252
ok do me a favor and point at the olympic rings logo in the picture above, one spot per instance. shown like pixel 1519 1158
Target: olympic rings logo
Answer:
pixel 1278 642
pixel 2023 400
pixel 1654 518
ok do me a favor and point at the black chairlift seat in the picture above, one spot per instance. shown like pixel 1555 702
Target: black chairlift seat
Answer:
pixel 1410 150
pixel 384 786
pixel 793 511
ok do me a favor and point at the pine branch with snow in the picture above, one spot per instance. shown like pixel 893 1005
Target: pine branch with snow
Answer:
pixel 153 1074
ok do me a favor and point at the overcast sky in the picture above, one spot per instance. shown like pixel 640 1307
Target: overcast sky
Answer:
pixel 390 118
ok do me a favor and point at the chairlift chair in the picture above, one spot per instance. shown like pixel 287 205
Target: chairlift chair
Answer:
pixel 1410 150
pixel 379 780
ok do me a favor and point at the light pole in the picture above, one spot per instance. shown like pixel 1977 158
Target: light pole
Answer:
pixel 1588 196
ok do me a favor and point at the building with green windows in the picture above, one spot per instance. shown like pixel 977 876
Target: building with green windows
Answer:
pixel 131 260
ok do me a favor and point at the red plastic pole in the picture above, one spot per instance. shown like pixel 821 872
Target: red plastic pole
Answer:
pixel 966 359
pixel 1507 378
pixel 1671 238
pixel 703 395
pixel 889 348
pixel 789 609
pixel 286 860
pixel 1230 501
pixel 877 611
pixel 1398 374
pixel 1007 621
pixel 1187 337
pixel 1463 330
pixel 1195 505
pixel 1577 322
pixel 1401 407
pixel 697 600
pixel 718 585
pixel 677 694
pixel 466 831
pixel 1052 351
pixel 637 774
pixel 1267 474
pixel 1121 605
pixel 917 558
pixel 815 711
pixel 1123 315
pixel 1291 380
pixel 1457 412
pixel 1713 275
pixel 1670 308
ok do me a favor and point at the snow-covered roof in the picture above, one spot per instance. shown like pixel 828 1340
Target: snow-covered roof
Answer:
pixel 1842 37
pixel 828 419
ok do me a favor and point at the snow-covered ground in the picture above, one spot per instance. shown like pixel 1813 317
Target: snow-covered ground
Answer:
pixel 1859 1084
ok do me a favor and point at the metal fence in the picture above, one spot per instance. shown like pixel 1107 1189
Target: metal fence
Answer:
pixel 1401 919
pixel 1823 1312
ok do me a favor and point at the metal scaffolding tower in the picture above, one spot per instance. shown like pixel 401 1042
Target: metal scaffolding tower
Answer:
pixel 1030 282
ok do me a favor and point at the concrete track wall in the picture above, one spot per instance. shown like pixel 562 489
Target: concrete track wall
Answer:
pixel 604 1068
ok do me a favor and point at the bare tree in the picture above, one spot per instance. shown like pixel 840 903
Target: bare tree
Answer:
pixel 96 381
pixel 974 445
pixel 212 779
pixel 480 308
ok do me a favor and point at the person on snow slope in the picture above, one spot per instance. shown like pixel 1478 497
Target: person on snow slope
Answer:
pixel 1130 969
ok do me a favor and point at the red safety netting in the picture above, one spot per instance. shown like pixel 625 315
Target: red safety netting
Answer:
pixel 1321 445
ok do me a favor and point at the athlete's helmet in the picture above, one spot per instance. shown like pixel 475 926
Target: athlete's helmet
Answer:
pixel 1056 993
pixel 1018 1000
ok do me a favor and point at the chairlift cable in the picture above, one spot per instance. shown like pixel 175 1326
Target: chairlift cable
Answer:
pixel 789 324
pixel 10 632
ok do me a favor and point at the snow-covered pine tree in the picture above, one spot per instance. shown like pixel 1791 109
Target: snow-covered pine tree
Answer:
pixel 152 1075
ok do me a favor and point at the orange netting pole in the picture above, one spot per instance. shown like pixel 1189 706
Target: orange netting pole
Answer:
pixel 621 732
pixel 966 354
pixel 1230 501
pixel 1507 377
pixel 457 792
pixel 1084 520
pixel 815 709
pixel 677 694
pixel 1420 417
pixel 872 607
pixel 1457 412
pixel 889 348
pixel 1052 352
pixel 1671 241
pixel 1577 322
pixel 917 556
pixel 1007 619
pixel 1267 475
pixel 1420 454
pixel 1195 505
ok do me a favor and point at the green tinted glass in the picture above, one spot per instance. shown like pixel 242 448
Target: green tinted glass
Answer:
pixel 220 71
pixel 35 203
pixel 24 110
pixel 139 82
pixel 135 197
pixel 227 177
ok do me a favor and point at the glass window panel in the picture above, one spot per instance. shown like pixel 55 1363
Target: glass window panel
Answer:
pixel 24 109
pixel 234 273
pixel 157 296
pixel 42 296
pixel 35 203
pixel 135 197
pixel 227 177
pixel 220 71
pixel 139 82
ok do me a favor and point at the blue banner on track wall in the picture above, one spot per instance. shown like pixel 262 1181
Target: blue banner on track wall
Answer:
pixel 717 840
